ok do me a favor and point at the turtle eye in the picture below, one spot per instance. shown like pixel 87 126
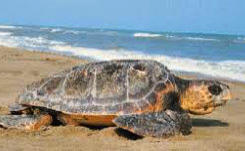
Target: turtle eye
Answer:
pixel 215 89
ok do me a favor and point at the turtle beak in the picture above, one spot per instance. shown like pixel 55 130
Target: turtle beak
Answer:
pixel 224 96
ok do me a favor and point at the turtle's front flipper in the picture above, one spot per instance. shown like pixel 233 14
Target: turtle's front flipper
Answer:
pixel 29 122
pixel 160 124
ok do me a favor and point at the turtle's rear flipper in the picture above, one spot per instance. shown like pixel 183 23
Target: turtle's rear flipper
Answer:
pixel 162 124
pixel 29 122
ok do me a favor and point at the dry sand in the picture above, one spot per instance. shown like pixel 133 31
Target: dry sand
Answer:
pixel 224 129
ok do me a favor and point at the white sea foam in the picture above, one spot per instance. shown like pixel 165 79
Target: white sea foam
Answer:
pixel 146 35
pixel 8 27
pixel 200 39
pixel 171 37
pixel 72 32
pixel 55 30
pixel 38 41
pixel 63 31
pixel 45 28
pixel 52 30
pixel 27 42
pixel 225 69
pixel 5 33
pixel 239 40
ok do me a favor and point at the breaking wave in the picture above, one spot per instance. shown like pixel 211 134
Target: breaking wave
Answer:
pixel 62 31
pixel 8 27
pixel 5 33
pixel 200 39
pixel 6 39
pixel 56 30
pixel 239 40
pixel 72 32
pixel 52 30
pixel 146 35
pixel 171 37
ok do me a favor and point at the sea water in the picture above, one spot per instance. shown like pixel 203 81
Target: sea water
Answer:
pixel 216 55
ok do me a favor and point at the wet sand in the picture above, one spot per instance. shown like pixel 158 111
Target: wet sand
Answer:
pixel 224 129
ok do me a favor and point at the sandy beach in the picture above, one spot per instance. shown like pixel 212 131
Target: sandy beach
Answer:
pixel 224 129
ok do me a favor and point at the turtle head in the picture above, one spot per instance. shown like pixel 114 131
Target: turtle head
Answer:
pixel 203 96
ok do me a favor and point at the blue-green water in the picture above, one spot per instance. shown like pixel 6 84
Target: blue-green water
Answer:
pixel 211 54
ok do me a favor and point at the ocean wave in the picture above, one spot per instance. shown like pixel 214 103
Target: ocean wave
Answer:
pixel 5 33
pixel 37 41
pixel 172 37
pixel 225 69
pixel 59 30
pixel 52 30
pixel 27 42
pixel 146 35
pixel 76 32
pixel 72 32
pixel 200 39
pixel 100 32
pixel 56 30
pixel 8 27
pixel 45 28
pixel 239 40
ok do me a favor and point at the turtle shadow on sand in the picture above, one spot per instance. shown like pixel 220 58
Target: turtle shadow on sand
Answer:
pixel 91 127
pixel 119 131
pixel 199 122
pixel 126 134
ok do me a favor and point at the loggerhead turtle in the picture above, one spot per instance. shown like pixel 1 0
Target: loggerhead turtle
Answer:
pixel 141 96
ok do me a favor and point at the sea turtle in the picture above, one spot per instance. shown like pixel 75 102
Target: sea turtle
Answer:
pixel 141 96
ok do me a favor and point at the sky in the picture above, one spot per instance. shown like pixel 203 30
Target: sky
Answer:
pixel 202 16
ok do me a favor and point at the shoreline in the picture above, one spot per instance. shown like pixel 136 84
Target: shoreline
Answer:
pixel 224 129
